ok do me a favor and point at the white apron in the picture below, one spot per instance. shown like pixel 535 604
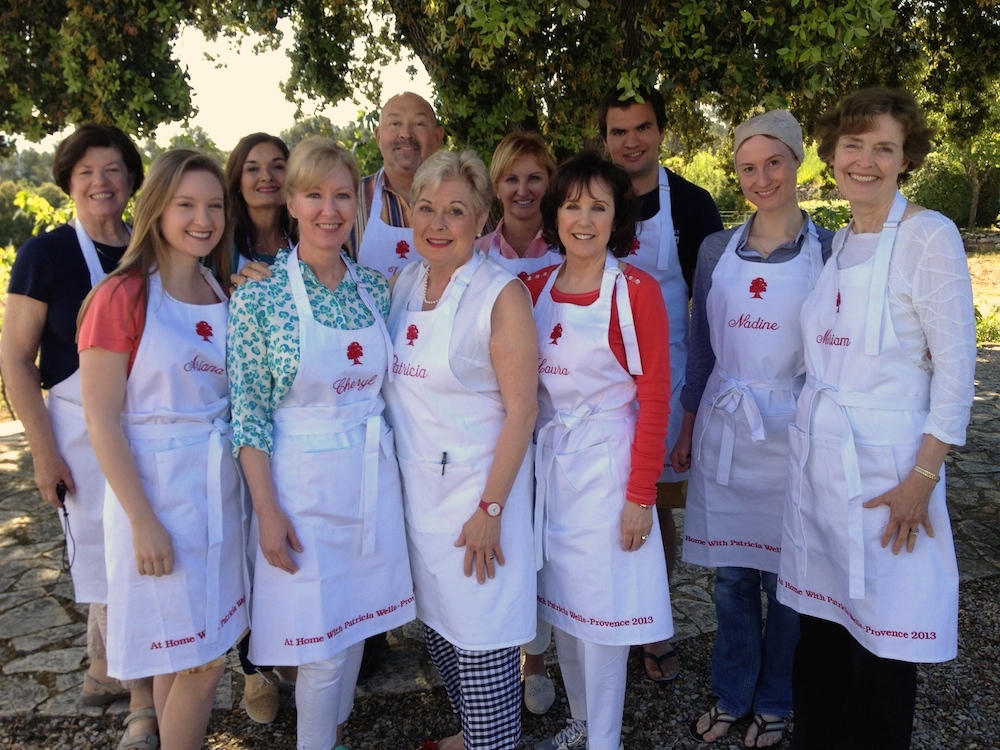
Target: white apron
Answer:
pixel 85 507
pixel 383 247
pixel 335 475
pixel 445 438
pixel 588 586
pixel 739 461
pixel 856 434
pixel 175 418
pixel 656 254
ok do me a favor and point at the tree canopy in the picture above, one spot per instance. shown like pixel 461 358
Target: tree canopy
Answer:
pixel 497 65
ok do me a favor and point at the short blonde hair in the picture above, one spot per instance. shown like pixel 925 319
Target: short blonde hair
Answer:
pixel 315 159
pixel 515 146
pixel 465 166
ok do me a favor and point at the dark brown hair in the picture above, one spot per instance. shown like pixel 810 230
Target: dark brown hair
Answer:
pixel 244 231
pixel 857 113
pixel 647 94
pixel 572 178
pixel 72 149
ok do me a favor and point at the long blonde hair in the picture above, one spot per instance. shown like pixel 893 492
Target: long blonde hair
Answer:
pixel 147 250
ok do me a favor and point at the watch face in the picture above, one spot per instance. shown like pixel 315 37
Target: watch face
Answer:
pixel 494 509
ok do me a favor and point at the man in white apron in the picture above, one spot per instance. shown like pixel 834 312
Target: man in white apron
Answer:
pixel 675 217
pixel 406 134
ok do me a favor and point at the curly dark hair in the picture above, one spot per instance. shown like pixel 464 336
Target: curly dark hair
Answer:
pixel 575 175
pixel 857 113
pixel 244 231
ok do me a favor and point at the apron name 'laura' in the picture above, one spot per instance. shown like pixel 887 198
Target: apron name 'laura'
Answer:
pixel 547 369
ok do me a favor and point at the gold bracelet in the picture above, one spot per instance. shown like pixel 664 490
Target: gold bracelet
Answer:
pixel 929 474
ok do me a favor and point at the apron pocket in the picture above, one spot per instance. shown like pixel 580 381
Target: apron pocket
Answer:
pixel 181 490
pixel 320 485
pixel 587 489
pixel 437 501
pixel 878 475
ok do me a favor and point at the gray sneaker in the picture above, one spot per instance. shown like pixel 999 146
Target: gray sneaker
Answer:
pixel 573 737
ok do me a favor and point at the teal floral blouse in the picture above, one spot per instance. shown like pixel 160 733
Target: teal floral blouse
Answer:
pixel 263 340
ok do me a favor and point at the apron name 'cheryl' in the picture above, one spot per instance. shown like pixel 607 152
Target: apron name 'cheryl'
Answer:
pixel 343 385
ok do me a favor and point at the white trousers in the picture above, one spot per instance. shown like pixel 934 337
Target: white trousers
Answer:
pixel 594 678
pixel 324 697
pixel 543 634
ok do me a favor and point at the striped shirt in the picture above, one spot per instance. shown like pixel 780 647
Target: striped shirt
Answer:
pixel 395 210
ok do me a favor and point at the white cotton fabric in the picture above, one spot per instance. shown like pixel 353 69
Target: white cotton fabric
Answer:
pixel 930 303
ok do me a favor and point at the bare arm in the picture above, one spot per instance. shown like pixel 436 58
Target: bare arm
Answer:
pixel 908 501
pixel 24 321
pixel 514 352
pixel 680 454
pixel 276 531
pixel 103 376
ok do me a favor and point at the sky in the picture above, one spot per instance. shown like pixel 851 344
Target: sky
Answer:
pixel 244 97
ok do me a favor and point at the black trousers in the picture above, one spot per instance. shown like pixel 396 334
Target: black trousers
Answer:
pixel 845 697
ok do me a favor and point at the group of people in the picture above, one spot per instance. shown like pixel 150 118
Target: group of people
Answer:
pixel 391 416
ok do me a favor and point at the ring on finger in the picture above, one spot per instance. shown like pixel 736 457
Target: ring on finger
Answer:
pixel 644 537
pixel 914 532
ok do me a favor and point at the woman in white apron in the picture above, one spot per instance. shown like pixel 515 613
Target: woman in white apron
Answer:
pixel 156 399
pixel 462 404
pixel 520 170
pixel 255 179
pixel 604 369
pixel 745 369
pixel 100 169
pixel 866 556
pixel 308 354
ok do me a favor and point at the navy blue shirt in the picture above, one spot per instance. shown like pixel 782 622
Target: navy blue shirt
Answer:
pixel 51 269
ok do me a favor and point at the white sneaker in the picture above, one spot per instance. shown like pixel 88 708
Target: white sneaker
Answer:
pixel 539 693
pixel 573 737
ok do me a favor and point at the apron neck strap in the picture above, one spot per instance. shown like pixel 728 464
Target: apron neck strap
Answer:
pixel 880 276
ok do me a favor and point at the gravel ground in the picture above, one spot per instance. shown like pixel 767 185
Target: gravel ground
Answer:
pixel 957 705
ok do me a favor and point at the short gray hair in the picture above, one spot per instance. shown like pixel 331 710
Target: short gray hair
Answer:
pixel 465 166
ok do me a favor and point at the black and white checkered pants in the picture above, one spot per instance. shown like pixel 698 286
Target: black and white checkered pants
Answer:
pixel 484 688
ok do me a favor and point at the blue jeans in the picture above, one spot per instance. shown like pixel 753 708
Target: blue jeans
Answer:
pixel 752 662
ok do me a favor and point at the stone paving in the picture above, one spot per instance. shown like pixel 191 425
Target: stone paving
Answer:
pixel 43 632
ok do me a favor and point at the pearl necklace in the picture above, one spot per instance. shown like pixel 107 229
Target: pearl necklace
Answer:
pixel 427 281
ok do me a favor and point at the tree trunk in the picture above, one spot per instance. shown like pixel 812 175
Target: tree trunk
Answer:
pixel 973 172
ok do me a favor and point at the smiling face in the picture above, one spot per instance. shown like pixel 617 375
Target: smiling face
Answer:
pixel 100 184
pixel 767 169
pixel 445 223
pixel 262 183
pixel 406 134
pixel 633 142
pixel 585 221
pixel 325 213
pixel 195 218
pixel 867 165
pixel 521 189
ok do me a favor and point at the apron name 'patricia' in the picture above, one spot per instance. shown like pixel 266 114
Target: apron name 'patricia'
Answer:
pixel 199 365
pixel 406 370
pixel 745 321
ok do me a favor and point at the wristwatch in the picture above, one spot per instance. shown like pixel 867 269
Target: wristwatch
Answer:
pixel 491 509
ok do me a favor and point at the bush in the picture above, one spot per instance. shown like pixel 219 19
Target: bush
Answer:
pixel 988 326
pixel 941 184
pixel 831 214
pixel 704 170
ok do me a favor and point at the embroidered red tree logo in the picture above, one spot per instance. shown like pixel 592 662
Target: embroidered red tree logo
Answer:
pixel 635 246
pixel 838 300
pixel 355 352
pixel 556 334
pixel 203 329
pixel 402 248
pixel 412 334
pixel 757 286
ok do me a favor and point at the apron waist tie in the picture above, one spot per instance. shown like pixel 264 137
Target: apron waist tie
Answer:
pixel 735 394
pixel 544 464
